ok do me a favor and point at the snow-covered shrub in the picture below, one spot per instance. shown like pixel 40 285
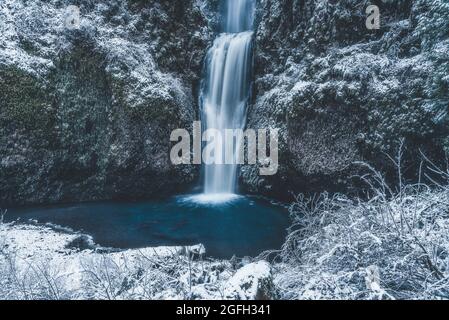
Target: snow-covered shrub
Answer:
pixel 142 277
pixel 393 246
pixel 39 263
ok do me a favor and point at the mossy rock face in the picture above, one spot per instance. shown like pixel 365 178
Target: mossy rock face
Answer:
pixel 341 93
pixel 25 100
pixel 86 113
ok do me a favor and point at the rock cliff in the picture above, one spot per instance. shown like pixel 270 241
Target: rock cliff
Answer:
pixel 86 111
pixel 341 93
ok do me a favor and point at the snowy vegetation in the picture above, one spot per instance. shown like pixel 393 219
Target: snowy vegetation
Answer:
pixel 37 262
pixel 393 246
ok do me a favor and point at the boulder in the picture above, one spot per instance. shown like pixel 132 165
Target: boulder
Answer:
pixel 252 282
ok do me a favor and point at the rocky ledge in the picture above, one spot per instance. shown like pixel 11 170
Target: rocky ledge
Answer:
pixel 39 262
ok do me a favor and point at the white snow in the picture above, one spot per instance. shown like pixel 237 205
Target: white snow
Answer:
pixel 36 263
pixel 247 281
pixel 41 246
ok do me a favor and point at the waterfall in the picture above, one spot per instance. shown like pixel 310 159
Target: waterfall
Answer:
pixel 239 15
pixel 225 90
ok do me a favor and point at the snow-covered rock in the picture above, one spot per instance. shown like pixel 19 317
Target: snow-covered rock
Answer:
pixel 340 93
pixel 86 112
pixel 41 262
pixel 35 253
pixel 252 282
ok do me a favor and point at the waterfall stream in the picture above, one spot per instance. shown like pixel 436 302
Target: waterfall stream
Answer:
pixel 225 92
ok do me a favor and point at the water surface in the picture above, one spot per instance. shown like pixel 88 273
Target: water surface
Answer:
pixel 241 226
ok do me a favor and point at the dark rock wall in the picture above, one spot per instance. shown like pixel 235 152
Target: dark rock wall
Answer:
pixel 86 114
pixel 341 93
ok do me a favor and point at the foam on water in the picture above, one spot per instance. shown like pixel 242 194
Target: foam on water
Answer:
pixel 212 198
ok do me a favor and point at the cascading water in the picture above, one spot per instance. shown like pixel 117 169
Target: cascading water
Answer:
pixel 226 90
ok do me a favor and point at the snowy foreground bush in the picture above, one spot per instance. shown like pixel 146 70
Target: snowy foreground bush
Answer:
pixel 38 262
pixel 393 246
pixel 340 249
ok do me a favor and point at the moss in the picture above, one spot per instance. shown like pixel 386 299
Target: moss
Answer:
pixel 24 99
pixel 156 109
